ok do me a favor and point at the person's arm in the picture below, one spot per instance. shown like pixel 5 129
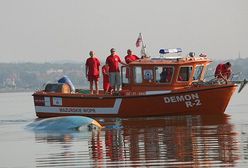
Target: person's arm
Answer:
pixel 123 63
pixel 127 60
pixel 217 71
pixel 223 72
pixel 98 65
pixel 229 73
pixel 104 71
pixel 86 71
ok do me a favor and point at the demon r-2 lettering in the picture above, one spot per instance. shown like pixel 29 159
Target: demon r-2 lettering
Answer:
pixel 190 100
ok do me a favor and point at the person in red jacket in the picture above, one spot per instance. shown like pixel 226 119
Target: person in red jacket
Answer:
pixel 106 84
pixel 92 71
pixel 130 56
pixel 114 71
pixel 223 71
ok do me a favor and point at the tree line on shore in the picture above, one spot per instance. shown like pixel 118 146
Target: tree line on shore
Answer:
pixel 31 76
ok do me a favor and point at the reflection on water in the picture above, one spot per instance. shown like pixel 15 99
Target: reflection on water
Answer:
pixel 185 141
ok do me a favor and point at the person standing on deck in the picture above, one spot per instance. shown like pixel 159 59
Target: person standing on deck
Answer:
pixel 106 84
pixel 92 71
pixel 130 57
pixel 114 71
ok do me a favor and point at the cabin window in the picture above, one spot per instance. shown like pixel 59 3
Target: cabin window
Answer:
pixel 208 72
pixel 125 75
pixel 137 74
pixel 184 74
pixel 164 74
pixel 198 72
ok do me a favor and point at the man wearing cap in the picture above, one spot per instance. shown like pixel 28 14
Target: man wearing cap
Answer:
pixel 92 71
pixel 114 71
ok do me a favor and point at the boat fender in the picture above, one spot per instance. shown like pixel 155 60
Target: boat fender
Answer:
pixel 66 79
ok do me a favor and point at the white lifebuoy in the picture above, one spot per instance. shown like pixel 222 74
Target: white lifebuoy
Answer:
pixel 148 74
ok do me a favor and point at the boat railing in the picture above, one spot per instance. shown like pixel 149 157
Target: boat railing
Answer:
pixel 235 79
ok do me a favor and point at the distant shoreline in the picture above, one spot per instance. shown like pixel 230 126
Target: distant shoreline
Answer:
pixel 9 90
pixel 29 77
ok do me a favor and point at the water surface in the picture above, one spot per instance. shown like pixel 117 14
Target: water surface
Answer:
pixel 172 141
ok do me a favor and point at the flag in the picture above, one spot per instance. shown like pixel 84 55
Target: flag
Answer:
pixel 139 41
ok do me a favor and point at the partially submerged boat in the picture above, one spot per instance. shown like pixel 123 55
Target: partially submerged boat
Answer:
pixel 165 85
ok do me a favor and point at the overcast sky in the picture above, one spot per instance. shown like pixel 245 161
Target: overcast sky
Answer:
pixel 57 30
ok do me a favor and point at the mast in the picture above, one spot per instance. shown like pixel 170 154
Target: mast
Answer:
pixel 139 41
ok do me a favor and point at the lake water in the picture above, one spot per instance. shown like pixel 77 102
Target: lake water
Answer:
pixel 184 141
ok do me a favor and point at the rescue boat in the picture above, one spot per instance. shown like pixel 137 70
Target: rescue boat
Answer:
pixel 159 86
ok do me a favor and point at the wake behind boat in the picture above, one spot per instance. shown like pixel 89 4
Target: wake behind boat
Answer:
pixel 150 87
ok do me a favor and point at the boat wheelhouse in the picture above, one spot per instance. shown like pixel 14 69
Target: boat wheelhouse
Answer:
pixel 162 75
pixel 150 87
